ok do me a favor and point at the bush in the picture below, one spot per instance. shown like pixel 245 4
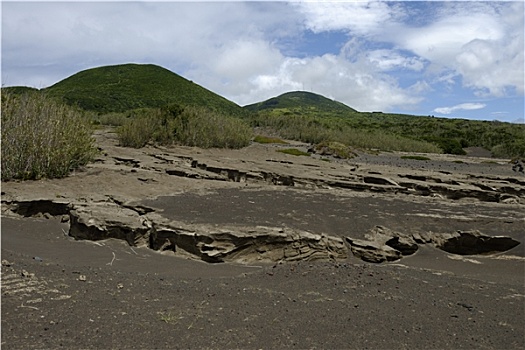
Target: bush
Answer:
pixel 191 126
pixel 336 149
pixel 137 132
pixel 110 119
pixel 42 138
pixel 316 130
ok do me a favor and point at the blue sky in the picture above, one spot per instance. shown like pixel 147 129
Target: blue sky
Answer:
pixel 462 59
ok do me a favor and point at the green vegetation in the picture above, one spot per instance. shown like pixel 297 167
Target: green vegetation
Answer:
pixel 297 116
pixel 135 97
pixel 266 139
pixel 42 138
pixel 335 149
pixel 301 103
pixel 294 152
pixel 126 87
pixel 317 129
pixel 415 157
pixel 190 126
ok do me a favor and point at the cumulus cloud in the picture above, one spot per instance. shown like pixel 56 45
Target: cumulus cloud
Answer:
pixel 357 17
pixel 463 106
pixel 389 60
pixel 480 43
pixel 244 50
pixel 353 82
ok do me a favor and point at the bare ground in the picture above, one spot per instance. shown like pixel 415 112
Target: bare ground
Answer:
pixel 61 292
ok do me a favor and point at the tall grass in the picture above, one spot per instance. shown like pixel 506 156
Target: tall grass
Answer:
pixel 190 126
pixel 42 137
pixel 318 130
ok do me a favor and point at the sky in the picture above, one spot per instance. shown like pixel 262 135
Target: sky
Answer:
pixel 457 59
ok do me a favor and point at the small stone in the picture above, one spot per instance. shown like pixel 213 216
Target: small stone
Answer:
pixel 24 273
pixel 82 278
pixel 120 286
pixel 6 263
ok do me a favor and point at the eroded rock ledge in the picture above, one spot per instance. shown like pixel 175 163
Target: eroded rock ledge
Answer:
pixel 382 244
pixel 140 226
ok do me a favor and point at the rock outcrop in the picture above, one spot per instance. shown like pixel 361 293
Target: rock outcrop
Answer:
pixel 383 244
pixel 227 244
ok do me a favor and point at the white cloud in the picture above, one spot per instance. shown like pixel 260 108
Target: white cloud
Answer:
pixel 481 43
pixel 463 106
pixel 241 50
pixel 352 82
pixel 358 17
pixel 389 60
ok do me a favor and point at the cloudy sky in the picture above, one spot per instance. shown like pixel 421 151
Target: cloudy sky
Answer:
pixel 459 59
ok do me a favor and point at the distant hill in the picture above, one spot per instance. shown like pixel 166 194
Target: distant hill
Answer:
pixel 301 102
pixel 129 86
pixel 19 90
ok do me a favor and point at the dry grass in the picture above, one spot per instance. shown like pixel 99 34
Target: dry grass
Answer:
pixel 42 138
pixel 194 126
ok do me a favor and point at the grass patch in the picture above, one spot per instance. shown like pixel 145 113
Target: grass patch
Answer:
pixel 266 139
pixel 188 126
pixel 169 318
pixel 42 137
pixel 415 157
pixel 110 119
pixel 338 129
pixel 294 152
pixel 335 149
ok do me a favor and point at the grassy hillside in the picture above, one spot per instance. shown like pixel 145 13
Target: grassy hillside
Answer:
pixel 314 118
pixel 18 90
pixel 117 94
pixel 125 87
pixel 301 103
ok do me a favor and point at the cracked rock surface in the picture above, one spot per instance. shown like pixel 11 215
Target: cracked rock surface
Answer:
pixel 223 247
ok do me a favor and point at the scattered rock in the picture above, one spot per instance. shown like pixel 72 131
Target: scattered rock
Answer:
pixel 26 274
pixel 82 278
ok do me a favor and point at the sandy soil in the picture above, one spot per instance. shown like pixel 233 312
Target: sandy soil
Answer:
pixel 58 292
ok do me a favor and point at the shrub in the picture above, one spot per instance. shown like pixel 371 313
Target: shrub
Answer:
pixel 200 127
pixel 42 137
pixel 336 149
pixel 111 119
pixel 315 130
pixel 189 126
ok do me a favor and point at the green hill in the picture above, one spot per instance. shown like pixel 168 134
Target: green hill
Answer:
pixel 19 90
pixel 129 86
pixel 311 118
pixel 303 103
